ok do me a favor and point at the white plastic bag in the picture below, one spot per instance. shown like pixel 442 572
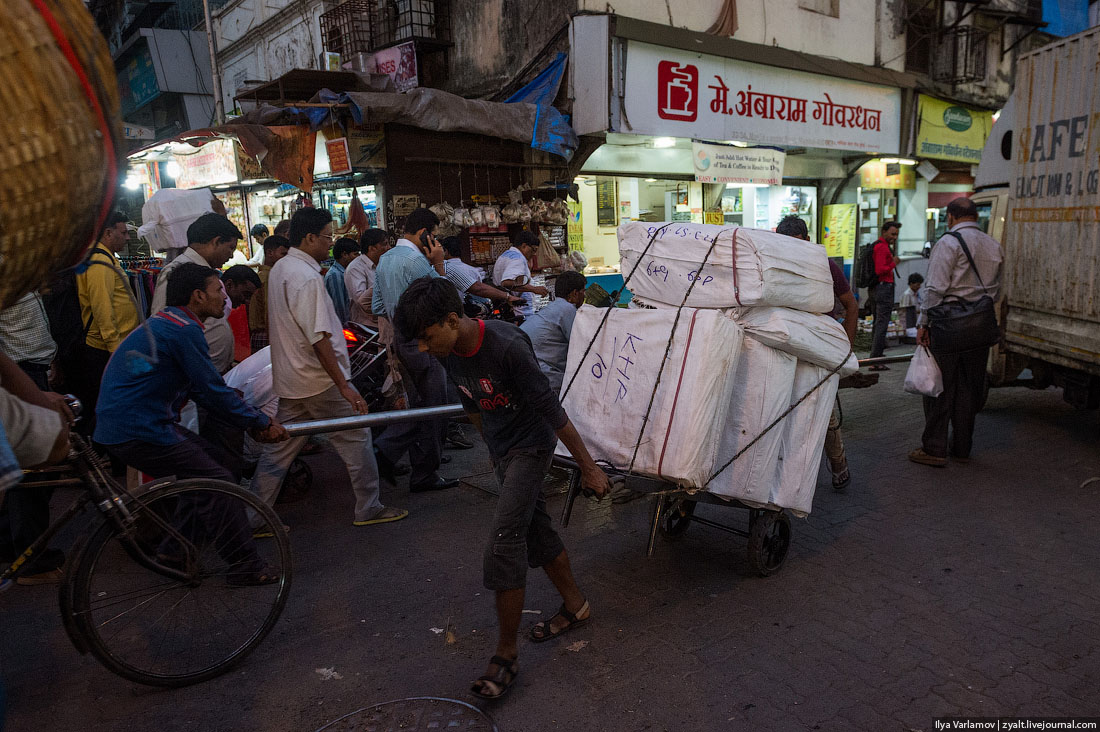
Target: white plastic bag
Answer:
pixel 923 376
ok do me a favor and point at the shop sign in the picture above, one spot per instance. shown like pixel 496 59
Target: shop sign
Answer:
pixel 606 195
pixel 137 132
pixel 405 205
pixel 875 174
pixel 576 227
pixel 339 157
pixel 949 131
pixel 683 94
pixel 838 229
pixel 399 63
pixel 215 163
pixel 137 82
pixel 717 163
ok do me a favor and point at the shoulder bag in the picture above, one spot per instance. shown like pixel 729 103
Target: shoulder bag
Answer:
pixel 958 325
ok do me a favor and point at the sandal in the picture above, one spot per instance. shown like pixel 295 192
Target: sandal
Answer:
pixel 244 578
pixel 503 679
pixel 544 631
pixel 880 367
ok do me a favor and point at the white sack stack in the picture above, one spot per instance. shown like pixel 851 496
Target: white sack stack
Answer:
pixel 819 339
pixel 167 214
pixel 771 269
pixel 608 399
pixel 803 440
pixel 764 384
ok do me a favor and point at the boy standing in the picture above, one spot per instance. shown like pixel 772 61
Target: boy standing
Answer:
pixel 910 305
pixel 509 399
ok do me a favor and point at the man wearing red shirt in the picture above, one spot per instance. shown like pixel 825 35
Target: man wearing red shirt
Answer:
pixel 885 262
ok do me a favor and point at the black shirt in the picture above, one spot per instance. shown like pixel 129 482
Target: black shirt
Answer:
pixel 502 380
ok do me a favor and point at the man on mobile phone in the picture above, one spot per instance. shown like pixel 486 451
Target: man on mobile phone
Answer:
pixel 417 254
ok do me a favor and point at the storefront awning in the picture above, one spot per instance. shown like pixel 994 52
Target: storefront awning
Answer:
pixel 282 139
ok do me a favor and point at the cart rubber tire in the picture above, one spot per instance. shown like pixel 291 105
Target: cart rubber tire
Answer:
pixel 769 540
pixel 677 519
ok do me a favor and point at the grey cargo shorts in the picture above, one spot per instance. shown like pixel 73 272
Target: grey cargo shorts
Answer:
pixel 522 535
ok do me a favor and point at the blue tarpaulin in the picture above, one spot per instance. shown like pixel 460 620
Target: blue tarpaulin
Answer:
pixel 552 132
pixel 1065 17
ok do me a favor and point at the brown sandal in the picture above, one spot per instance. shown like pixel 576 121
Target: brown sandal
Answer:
pixel 544 631
pixel 503 679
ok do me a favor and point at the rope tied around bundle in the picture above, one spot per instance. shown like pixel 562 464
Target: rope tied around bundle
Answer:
pixel 668 349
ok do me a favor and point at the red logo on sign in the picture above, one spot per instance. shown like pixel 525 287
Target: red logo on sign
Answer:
pixel 486 386
pixel 677 91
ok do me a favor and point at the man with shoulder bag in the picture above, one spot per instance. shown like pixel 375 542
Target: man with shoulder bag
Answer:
pixel 958 324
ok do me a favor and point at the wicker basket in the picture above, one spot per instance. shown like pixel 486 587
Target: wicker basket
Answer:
pixel 60 139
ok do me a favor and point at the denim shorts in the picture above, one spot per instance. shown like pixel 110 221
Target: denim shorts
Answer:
pixel 522 535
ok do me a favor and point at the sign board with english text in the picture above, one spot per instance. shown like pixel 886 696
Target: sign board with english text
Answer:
pixel 669 92
pixel 718 163
pixel 399 63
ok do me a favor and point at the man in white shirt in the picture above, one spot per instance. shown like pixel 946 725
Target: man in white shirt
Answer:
pixel 955 272
pixel 512 271
pixel 211 241
pixel 359 276
pixel 311 370
pixel 467 279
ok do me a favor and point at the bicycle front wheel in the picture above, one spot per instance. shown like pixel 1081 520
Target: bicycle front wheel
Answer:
pixel 149 626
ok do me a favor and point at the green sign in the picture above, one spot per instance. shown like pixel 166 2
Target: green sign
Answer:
pixel 957 118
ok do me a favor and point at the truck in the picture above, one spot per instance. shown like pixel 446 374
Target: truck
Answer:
pixel 1038 192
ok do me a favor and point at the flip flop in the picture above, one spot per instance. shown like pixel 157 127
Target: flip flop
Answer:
pixel 880 367
pixel 266 575
pixel 543 631
pixel 502 679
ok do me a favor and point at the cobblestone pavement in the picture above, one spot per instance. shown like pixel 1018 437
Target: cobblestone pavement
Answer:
pixel 917 593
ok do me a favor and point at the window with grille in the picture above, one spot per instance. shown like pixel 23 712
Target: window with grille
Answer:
pixel 347 28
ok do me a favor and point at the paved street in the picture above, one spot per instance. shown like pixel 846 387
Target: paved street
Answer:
pixel 918 593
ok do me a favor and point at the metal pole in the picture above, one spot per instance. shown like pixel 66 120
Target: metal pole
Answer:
pixel 219 106
pixel 318 426
pixel 885 360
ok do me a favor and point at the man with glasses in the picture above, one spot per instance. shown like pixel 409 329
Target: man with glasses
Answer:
pixel 311 370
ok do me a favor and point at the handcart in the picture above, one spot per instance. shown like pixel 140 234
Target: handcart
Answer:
pixel 769 530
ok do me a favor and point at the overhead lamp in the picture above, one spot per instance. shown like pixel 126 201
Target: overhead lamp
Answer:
pixel 172 169
pixel 664 142
pixel 737 143
pixel 132 183
pixel 888 161
pixel 907 161
pixel 650 180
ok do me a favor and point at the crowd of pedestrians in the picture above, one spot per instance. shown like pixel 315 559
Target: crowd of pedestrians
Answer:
pixel 419 295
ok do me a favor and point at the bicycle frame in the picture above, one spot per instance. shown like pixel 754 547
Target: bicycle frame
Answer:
pixel 110 499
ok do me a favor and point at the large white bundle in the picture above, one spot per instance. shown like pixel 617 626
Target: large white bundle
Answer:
pixel 772 269
pixel 819 339
pixel 765 381
pixel 803 440
pixel 608 399
pixel 167 214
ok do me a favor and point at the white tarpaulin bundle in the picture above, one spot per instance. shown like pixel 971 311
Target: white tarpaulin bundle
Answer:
pixel 609 397
pixel 762 392
pixel 771 269
pixel 803 440
pixel 819 339
pixel 167 214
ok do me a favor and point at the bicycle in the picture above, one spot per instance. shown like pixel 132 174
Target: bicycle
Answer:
pixel 168 587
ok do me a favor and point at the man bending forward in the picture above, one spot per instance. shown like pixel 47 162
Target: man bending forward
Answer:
pixel 509 399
